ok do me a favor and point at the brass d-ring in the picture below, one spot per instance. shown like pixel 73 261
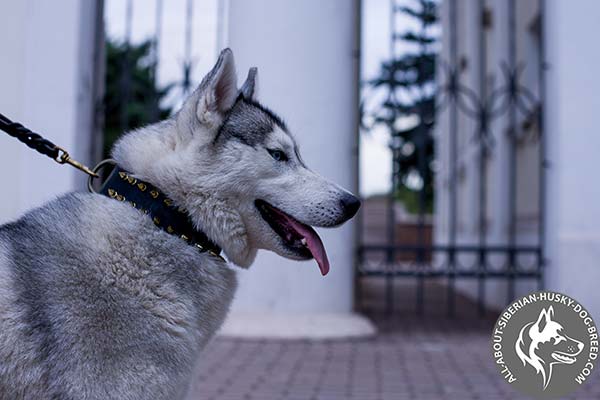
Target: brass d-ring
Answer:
pixel 97 168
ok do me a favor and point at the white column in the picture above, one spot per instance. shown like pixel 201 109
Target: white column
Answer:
pixel 573 193
pixel 306 54
pixel 46 76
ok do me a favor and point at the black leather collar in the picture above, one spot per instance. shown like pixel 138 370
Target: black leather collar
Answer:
pixel 122 186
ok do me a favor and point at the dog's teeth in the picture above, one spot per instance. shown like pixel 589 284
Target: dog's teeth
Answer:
pixel 303 241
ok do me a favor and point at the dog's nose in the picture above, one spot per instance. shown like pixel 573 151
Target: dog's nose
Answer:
pixel 350 204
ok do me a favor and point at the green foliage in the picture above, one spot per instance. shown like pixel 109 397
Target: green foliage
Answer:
pixel 130 99
pixel 409 112
pixel 410 199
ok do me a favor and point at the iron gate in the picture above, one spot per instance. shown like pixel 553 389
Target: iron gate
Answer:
pixel 485 123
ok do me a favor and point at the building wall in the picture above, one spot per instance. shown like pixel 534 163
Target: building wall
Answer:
pixel 573 196
pixel 47 83
pixel 307 59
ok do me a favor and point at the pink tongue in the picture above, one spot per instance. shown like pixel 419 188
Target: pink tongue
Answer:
pixel 314 244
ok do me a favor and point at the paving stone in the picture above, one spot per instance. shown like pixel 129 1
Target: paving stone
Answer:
pixel 412 358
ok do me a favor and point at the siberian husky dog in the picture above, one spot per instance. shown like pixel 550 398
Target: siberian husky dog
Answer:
pixel 97 302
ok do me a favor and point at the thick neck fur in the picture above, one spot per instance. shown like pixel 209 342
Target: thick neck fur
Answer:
pixel 166 154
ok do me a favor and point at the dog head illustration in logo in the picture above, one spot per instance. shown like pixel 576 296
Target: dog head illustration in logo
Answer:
pixel 544 343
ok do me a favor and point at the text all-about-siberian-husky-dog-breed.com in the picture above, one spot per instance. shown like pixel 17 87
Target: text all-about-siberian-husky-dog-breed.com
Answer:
pixel 101 299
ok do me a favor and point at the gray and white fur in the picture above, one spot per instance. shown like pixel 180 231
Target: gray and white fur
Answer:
pixel 96 302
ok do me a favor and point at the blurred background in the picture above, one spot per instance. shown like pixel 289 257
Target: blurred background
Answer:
pixel 467 127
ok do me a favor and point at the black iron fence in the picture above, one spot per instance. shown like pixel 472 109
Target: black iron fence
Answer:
pixel 488 103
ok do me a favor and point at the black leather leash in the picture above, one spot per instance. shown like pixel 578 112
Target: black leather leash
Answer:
pixel 41 145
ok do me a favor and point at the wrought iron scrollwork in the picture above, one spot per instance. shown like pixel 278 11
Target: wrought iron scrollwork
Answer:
pixel 508 98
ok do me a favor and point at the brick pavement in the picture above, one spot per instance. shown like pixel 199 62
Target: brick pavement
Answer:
pixel 416 358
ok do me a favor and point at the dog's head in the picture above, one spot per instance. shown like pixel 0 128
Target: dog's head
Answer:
pixel 236 168
pixel 544 343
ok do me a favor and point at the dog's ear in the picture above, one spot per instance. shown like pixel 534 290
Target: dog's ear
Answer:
pixel 544 318
pixel 218 91
pixel 249 88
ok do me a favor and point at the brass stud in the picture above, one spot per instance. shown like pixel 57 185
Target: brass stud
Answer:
pixel 154 193
pixel 156 220
pixel 199 246
pixel 112 193
pixel 123 175
pixel 120 197
pixel 142 186
pixel 168 202
pixel 170 229
pixel 185 238
pixel 133 204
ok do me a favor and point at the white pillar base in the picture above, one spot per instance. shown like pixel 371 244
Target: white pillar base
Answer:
pixel 297 326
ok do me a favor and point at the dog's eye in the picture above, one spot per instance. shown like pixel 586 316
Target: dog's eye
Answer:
pixel 277 155
pixel 558 339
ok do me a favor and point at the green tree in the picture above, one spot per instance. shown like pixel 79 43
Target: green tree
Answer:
pixel 132 98
pixel 408 112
